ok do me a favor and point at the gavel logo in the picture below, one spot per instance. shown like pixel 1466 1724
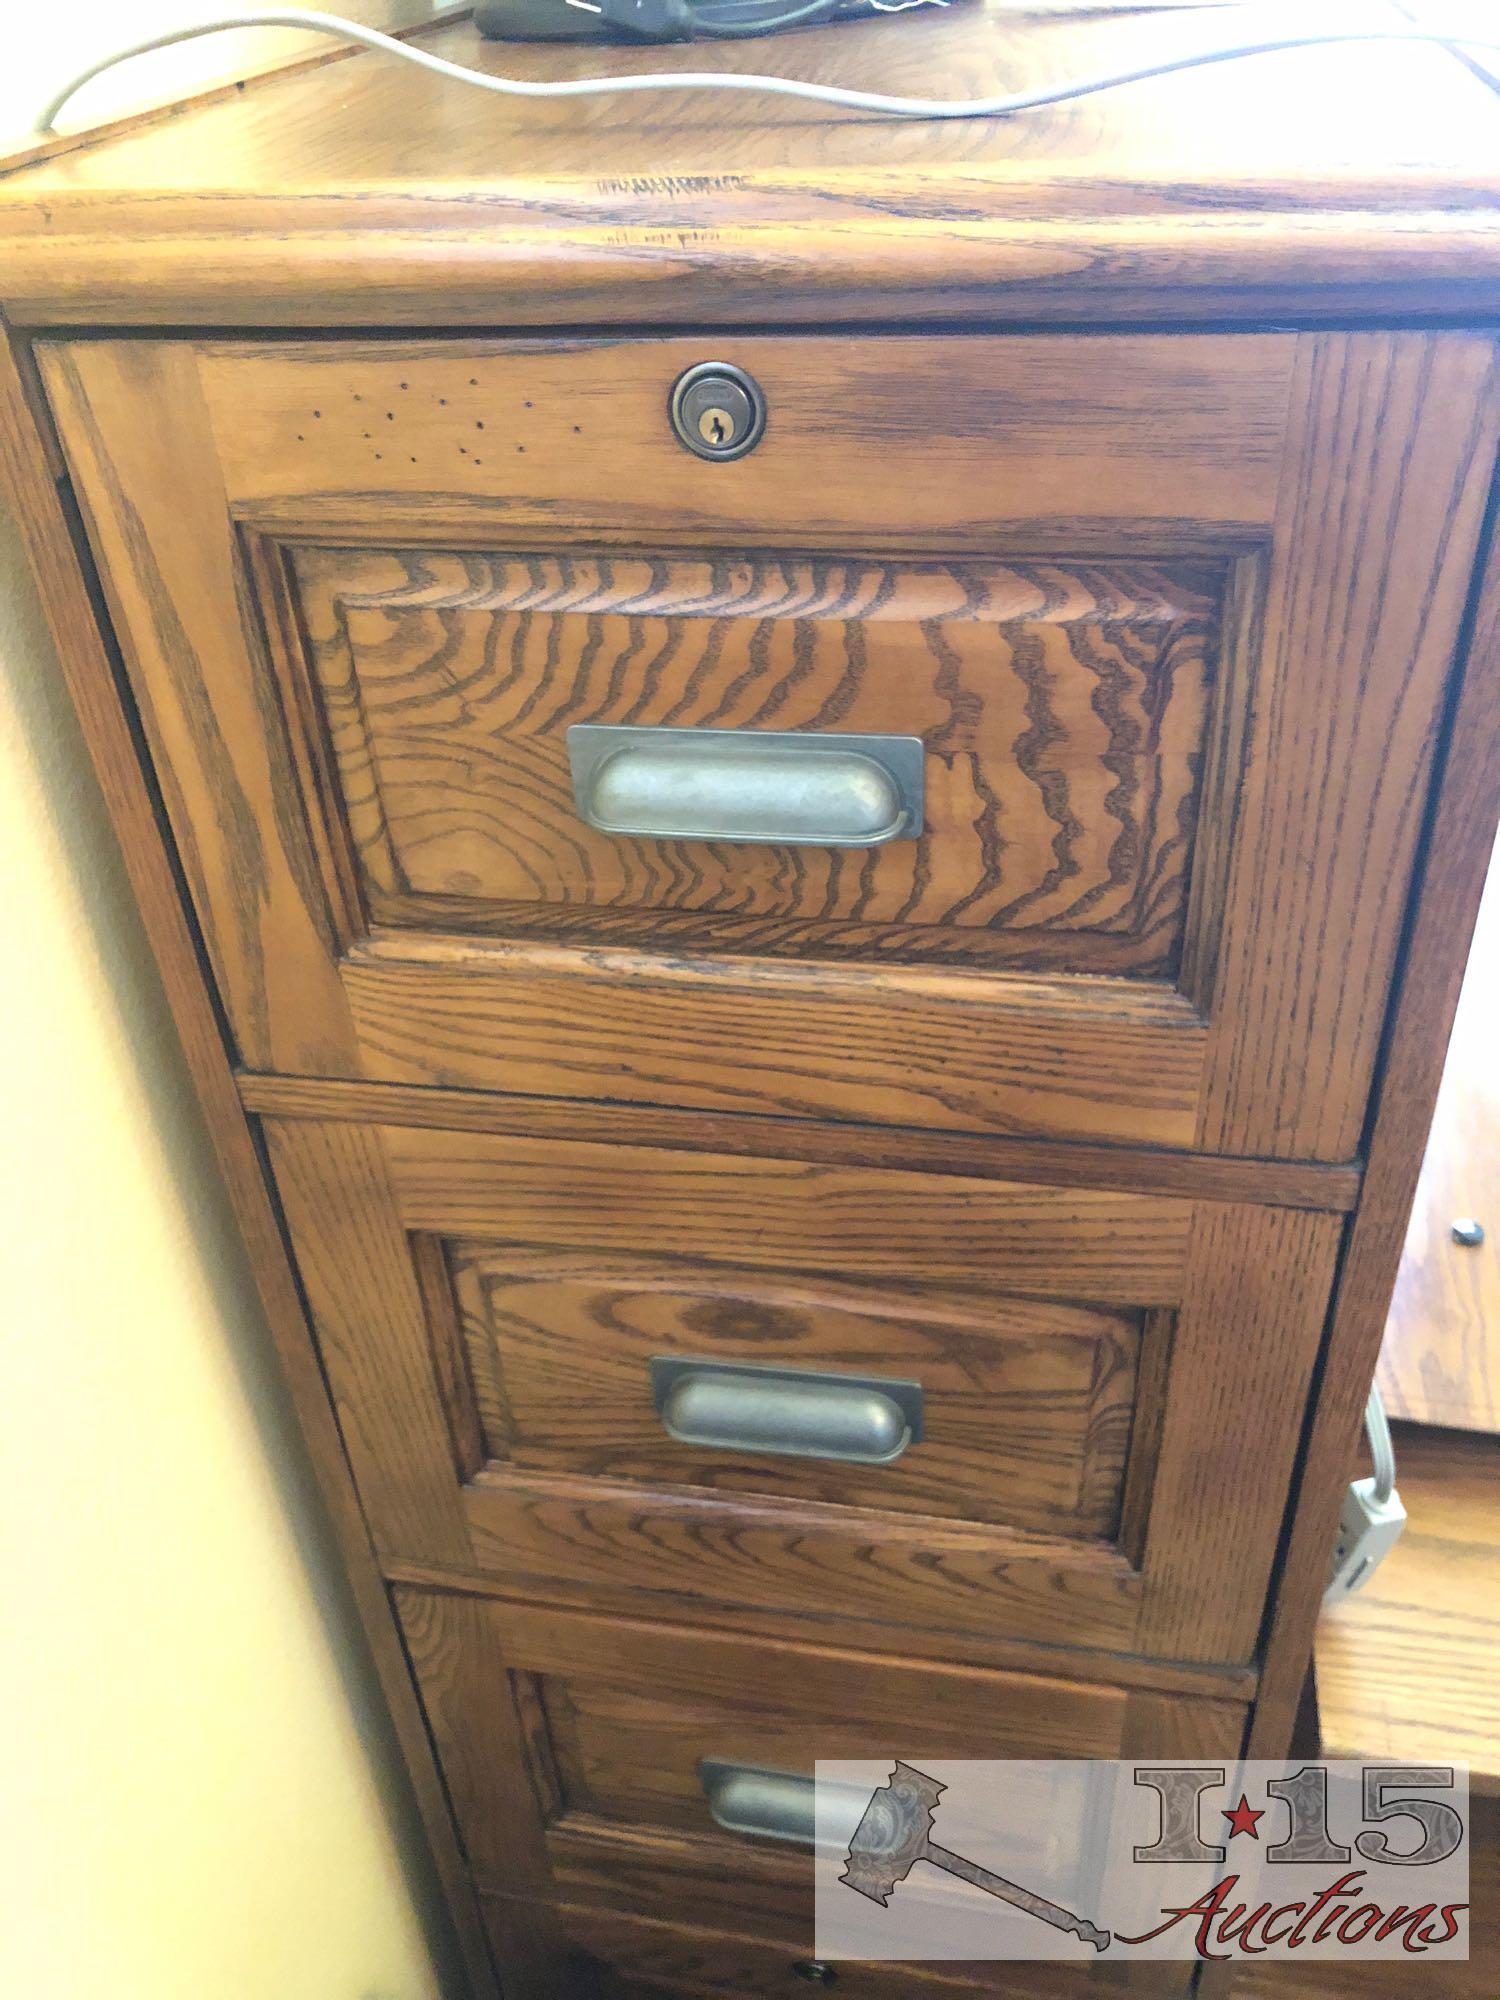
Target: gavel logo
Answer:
pixel 895 1833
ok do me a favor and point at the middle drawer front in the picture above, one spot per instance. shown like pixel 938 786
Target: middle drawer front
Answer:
pixel 628 1377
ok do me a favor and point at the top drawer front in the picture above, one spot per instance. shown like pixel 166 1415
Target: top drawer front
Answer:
pixel 1172 616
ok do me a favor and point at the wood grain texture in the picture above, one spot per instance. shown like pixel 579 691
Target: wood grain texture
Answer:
pixel 366 1205
pixel 789 1216
pixel 38 505
pixel 1358 657
pixel 1248 1336
pixel 324 199
pixel 631 1708
pixel 218 66
pixel 1406 1668
pixel 1076 1059
pixel 1062 714
pixel 1336 691
pixel 1027 1407
pixel 996 1652
pixel 626 1753
pixel 1440 1359
pixel 501 1751
pixel 1144 1522
pixel 373 1333
pixel 158 520
pixel 1131 1170
pixel 916 438
pixel 1459 839
pixel 610 1955
pixel 924 1581
pixel 453 1355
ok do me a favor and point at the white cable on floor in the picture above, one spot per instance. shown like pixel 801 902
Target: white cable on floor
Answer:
pixel 777 86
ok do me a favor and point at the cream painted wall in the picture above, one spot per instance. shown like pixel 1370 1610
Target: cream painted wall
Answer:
pixel 199 1799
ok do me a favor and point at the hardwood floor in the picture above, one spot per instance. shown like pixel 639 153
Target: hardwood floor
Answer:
pixel 1406 1667
pixel 1406 1670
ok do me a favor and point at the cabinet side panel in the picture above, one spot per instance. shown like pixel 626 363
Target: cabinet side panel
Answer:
pixel 1387 467
pixel 1457 854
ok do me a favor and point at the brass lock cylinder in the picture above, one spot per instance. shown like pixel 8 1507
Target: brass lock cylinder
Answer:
pixel 718 411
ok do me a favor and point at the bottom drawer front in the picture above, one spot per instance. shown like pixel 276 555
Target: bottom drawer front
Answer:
pixel 580 1752
pixel 575 1953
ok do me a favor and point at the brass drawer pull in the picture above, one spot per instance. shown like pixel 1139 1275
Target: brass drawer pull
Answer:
pixel 793 787
pixel 767 1805
pixel 789 1412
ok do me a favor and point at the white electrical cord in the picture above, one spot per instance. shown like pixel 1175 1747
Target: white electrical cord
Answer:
pixel 1382 1447
pixel 778 86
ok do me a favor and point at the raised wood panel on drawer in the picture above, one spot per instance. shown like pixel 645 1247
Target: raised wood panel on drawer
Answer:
pixel 1027 1405
pixel 1308 503
pixel 1062 711
pixel 572 1747
pixel 500 1416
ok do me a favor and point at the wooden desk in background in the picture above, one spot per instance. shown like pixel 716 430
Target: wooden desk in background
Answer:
pixel 1441 1360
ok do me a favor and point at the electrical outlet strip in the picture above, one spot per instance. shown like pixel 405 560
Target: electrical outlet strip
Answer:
pixel 1369 1528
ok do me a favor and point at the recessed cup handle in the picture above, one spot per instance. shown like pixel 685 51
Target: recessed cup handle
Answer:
pixel 766 1805
pixel 786 1412
pixel 794 788
pixel 777 1805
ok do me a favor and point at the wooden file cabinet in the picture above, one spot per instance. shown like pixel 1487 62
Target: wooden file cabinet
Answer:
pixel 1085 1110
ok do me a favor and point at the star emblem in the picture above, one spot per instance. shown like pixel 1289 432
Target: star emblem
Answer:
pixel 1242 1819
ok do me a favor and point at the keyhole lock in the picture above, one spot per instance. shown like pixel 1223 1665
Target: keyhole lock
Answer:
pixel 718 411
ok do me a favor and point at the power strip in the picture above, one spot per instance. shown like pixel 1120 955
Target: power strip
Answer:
pixel 1369 1528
